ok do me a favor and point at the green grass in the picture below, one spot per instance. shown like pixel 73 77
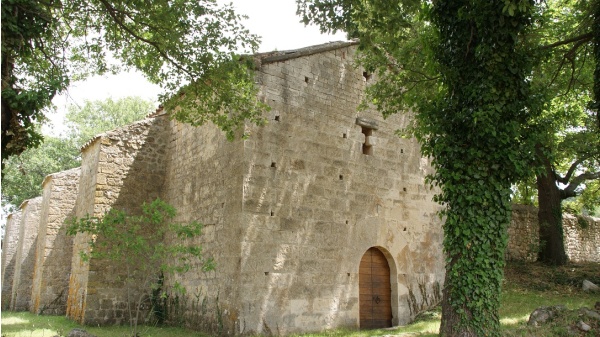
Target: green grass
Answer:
pixel 25 324
pixel 527 287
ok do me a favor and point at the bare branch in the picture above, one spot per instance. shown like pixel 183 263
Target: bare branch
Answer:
pixel 572 168
pixel 579 39
pixel 569 191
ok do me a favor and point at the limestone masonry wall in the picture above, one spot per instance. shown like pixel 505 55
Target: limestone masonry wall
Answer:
pixel 123 169
pixel 315 200
pixel 84 205
pixel 204 183
pixel 582 238
pixel 9 256
pixel 581 234
pixel 523 234
pixel 25 256
pixel 54 246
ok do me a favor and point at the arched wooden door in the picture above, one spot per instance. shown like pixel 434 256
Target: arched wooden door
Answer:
pixel 375 292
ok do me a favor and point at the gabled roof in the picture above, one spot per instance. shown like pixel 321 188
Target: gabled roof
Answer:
pixel 265 58
pixel 278 56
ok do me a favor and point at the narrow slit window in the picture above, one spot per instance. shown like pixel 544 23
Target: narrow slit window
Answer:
pixel 367 147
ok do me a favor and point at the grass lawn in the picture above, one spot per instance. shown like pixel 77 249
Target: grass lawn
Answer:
pixel 526 287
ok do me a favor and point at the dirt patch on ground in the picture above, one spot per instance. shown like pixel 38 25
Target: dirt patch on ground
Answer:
pixel 537 276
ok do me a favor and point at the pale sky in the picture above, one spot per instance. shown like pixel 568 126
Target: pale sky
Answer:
pixel 274 20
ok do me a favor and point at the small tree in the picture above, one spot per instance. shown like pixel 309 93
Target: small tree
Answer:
pixel 137 243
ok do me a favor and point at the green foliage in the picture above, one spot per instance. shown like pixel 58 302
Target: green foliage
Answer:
pixel 29 79
pixel 47 45
pixel 586 203
pixel 23 175
pixel 570 148
pixel 94 117
pixel 525 192
pixel 138 244
pixel 136 238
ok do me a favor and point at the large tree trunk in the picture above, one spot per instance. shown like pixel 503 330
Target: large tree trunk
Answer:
pixel 451 323
pixel 475 263
pixel 552 248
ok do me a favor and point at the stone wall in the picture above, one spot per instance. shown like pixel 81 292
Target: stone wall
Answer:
pixel 25 256
pixel 290 211
pixel 121 170
pixel 324 183
pixel 84 205
pixel 523 234
pixel 204 183
pixel 54 246
pixel 9 256
pixel 582 238
pixel 582 235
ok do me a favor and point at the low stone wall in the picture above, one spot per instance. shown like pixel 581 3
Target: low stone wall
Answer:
pixel 9 256
pixel 582 235
pixel 523 234
pixel 54 246
pixel 582 238
pixel 25 256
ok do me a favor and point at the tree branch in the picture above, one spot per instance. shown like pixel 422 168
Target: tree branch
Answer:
pixel 572 168
pixel 113 13
pixel 569 191
pixel 580 39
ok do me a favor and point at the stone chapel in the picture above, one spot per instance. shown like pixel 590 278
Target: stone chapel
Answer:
pixel 320 219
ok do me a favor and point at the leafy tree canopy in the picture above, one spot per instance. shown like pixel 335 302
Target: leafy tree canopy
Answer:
pixel 94 117
pixel 24 174
pixel 185 46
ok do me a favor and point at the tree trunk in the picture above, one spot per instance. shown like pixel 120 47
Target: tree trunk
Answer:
pixel 450 325
pixel 552 248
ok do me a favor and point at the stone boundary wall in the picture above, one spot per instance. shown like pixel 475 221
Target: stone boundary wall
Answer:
pixel 25 259
pixel 54 246
pixel 582 238
pixel 523 234
pixel 582 235
pixel 121 169
pixel 9 256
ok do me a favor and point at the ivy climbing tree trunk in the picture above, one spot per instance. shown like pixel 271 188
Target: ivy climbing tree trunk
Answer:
pixel 475 237
pixel 552 249
pixel 476 134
